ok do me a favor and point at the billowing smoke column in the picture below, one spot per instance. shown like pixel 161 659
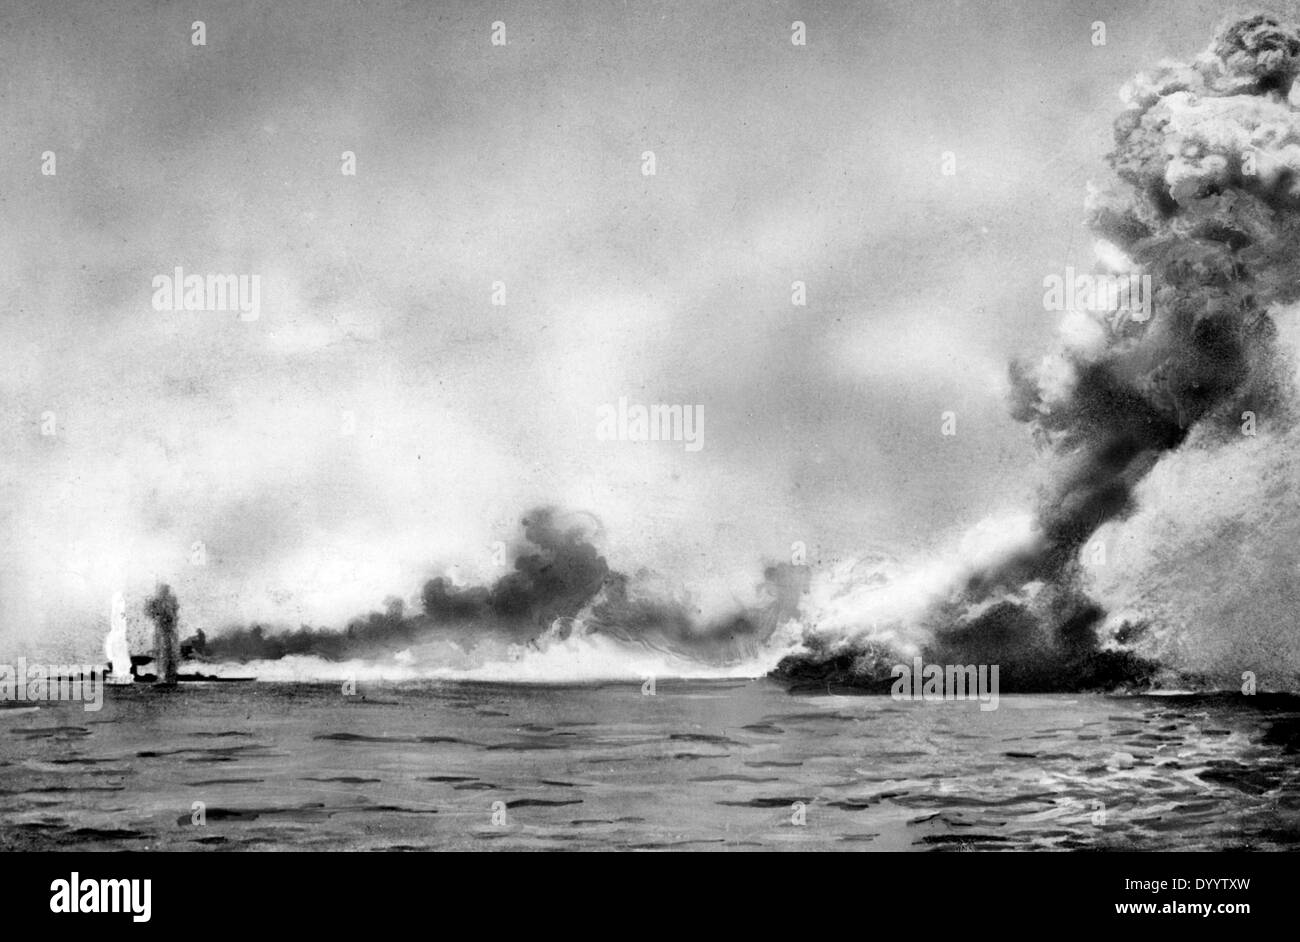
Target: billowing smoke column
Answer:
pixel 163 609
pixel 560 585
pixel 1208 157
pixel 1207 205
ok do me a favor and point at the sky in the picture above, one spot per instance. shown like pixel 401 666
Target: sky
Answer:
pixel 132 434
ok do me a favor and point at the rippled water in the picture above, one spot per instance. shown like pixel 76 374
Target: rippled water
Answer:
pixel 707 765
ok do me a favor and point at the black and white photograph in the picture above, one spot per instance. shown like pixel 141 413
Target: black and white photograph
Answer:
pixel 853 426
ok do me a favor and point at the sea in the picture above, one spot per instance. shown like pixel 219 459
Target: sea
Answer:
pixel 714 765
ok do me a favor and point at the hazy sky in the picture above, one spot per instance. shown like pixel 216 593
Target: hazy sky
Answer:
pixel 523 164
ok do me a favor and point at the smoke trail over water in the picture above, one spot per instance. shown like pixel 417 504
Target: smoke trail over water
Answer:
pixel 560 594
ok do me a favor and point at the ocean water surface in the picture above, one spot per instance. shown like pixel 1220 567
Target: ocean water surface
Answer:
pixel 706 765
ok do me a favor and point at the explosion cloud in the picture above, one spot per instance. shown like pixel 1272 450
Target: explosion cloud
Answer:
pixel 1205 203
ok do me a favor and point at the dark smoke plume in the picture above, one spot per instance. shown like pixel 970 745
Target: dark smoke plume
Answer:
pixel 625 610
pixel 163 610
pixel 559 584
pixel 1207 204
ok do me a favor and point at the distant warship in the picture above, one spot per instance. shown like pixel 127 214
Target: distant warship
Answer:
pixel 125 669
